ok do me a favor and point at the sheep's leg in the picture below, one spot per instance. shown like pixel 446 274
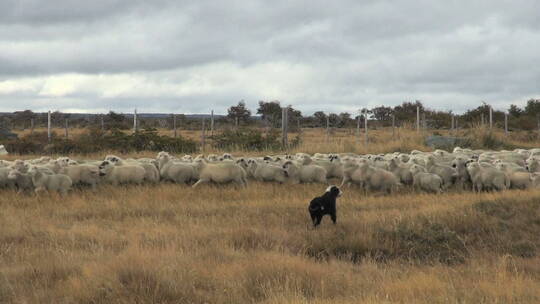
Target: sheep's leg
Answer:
pixel 200 181
pixel 38 190
pixel 240 182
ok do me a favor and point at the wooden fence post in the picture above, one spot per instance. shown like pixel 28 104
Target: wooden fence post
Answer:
pixel 327 128
pixel 506 124
pixel 102 123
pixel 212 123
pixel 31 126
pixel 66 127
pixel 393 126
pixel 49 126
pixel 366 127
pixel 358 126
pixel 417 119
pixel 174 126
pixel 538 122
pixel 284 121
pixel 203 137
pixel 135 121
pixel 490 117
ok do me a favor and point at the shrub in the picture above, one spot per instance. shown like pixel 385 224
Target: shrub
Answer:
pixel 247 139
pixel 426 241
pixel 96 140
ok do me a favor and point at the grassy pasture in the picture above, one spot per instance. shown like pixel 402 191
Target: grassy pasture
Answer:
pixel 220 244
pixel 172 244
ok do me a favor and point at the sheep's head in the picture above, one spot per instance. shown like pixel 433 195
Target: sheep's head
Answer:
pixel 13 174
pixel 20 165
pixel 334 158
pixel 458 162
pixel 416 169
pixel 242 162
pixel 113 159
pixel 104 167
pixel 473 166
pixel 162 153
pixel 32 170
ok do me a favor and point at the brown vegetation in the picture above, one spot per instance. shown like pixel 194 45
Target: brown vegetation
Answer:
pixel 172 244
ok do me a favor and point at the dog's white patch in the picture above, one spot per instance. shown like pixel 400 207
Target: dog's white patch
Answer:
pixel 329 188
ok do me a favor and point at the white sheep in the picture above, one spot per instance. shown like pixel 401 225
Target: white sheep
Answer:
pixel 82 174
pixel 519 177
pixel 487 178
pixel 40 161
pixel 49 182
pixel 447 173
pixel 264 172
pixel 463 179
pixel 370 177
pixel 3 150
pixel 177 172
pixel 298 173
pixel 333 167
pixel 5 181
pixel 426 181
pixel 121 174
pixel 23 181
pixel 227 156
pixel 400 170
pixel 151 174
pixel 221 172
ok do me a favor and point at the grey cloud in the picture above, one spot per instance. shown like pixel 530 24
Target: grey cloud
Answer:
pixel 349 52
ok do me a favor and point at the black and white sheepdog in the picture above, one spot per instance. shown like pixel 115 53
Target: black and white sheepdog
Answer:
pixel 325 204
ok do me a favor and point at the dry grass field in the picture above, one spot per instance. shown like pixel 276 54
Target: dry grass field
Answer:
pixel 381 140
pixel 221 244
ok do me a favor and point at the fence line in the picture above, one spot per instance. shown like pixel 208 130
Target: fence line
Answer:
pixel 422 123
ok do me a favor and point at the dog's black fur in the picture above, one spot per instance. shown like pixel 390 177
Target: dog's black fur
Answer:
pixel 323 205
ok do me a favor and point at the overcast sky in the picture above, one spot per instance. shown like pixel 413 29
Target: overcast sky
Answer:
pixel 193 56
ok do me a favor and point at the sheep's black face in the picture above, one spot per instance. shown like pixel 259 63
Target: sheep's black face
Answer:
pixel 454 165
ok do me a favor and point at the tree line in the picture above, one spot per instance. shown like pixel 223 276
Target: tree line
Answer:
pixel 268 114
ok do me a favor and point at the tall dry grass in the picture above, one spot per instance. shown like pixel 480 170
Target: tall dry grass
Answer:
pixel 380 140
pixel 173 244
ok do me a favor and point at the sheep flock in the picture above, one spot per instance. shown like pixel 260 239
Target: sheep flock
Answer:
pixel 433 172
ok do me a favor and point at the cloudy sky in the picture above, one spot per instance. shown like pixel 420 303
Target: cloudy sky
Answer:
pixel 193 56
